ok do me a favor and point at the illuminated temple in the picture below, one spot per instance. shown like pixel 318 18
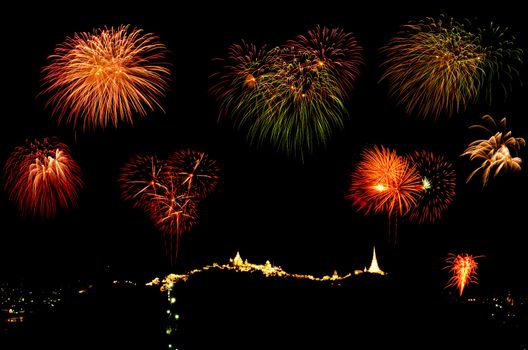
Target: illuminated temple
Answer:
pixel 374 267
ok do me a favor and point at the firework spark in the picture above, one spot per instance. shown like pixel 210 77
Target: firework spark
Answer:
pixel 438 66
pixel 291 96
pixel 495 153
pixel 196 171
pixel 438 183
pixel 464 271
pixel 384 182
pixel 104 77
pixel 42 177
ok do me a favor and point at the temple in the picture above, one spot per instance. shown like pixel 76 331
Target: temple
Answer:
pixel 374 268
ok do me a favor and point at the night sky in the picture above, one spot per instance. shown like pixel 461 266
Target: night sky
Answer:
pixel 268 205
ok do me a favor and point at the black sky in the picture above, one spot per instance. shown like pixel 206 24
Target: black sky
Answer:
pixel 268 206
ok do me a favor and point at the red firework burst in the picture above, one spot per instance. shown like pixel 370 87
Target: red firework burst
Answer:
pixel 104 77
pixel 384 182
pixel 195 171
pixel 438 184
pixel 169 191
pixel 335 49
pixel 174 213
pixel 141 178
pixel 464 271
pixel 42 177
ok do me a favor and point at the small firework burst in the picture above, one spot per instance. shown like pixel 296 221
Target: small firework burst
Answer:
pixel 463 268
pixel 105 77
pixel 196 172
pixel 495 153
pixel 140 178
pixel 42 178
pixel 438 186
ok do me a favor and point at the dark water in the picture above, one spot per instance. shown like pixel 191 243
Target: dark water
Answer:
pixel 235 311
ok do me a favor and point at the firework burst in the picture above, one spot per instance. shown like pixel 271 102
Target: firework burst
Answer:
pixel 42 178
pixel 302 106
pixel 140 178
pixel 464 271
pixel 335 50
pixel 244 83
pixel 169 192
pixel 384 182
pixel 291 96
pixel 495 153
pixel 174 213
pixel 105 77
pixel 196 172
pixel 438 66
pixel 438 186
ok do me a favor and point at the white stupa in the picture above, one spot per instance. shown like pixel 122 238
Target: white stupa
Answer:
pixel 374 268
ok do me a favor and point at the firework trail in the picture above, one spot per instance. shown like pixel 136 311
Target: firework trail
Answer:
pixel 42 178
pixel 495 153
pixel 438 186
pixel 439 67
pixel 105 77
pixel 464 271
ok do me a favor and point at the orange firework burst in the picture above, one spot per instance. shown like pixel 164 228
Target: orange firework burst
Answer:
pixel 464 270
pixel 104 77
pixel 42 177
pixel 438 186
pixel 384 182
pixel 495 152
pixel 196 171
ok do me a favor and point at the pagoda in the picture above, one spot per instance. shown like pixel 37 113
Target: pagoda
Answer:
pixel 374 267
